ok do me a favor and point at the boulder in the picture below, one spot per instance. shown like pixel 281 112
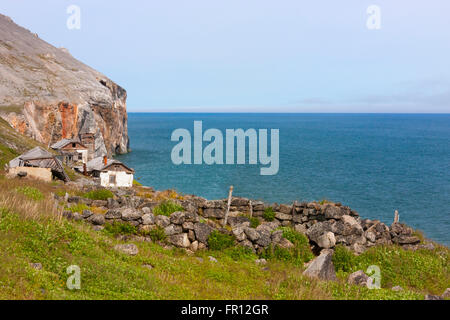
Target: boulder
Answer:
pixel 180 240
pixel 283 216
pixel 177 217
pixel 332 212
pixel 327 240
pixel 202 232
pixel 264 238
pixel 148 218
pixel 173 229
pixel 446 293
pixel 239 233
pixel 113 214
pixel 433 297
pixel 129 248
pixel 251 234
pixel 285 244
pixel 322 267
pixel 188 226
pixel 406 240
pixel 277 235
pixel 162 221
pixel 359 278
pixel 300 228
pixel 130 214
pixel 194 246
pixel 97 219
pixel 87 213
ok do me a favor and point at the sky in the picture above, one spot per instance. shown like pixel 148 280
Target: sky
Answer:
pixel 258 55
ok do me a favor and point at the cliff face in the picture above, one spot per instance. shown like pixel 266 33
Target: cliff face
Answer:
pixel 48 95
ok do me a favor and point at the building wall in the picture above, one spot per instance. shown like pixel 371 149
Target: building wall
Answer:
pixel 44 174
pixel 123 179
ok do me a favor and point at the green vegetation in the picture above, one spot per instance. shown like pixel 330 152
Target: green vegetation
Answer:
pixel 158 234
pixel 101 194
pixel 137 183
pixel 166 208
pixel 421 270
pixel 297 255
pixel 79 207
pixel 220 241
pixel 269 214
pixel 30 192
pixel 118 228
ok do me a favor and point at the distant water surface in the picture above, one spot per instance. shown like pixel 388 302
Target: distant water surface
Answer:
pixel 375 163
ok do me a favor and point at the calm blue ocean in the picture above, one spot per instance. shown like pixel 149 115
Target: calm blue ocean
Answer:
pixel 374 163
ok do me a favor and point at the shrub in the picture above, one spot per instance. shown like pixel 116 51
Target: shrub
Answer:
pixel 240 253
pixel 254 222
pixel 30 192
pixel 220 241
pixel 269 214
pixel 117 228
pixel 102 194
pixel 158 234
pixel 79 207
pixel 343 259
pixel 297 255
pixel 166 208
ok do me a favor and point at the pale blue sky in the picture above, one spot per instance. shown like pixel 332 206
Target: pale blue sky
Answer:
pixel 258 55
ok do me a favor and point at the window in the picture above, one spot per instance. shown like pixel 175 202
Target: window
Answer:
pixel 112 179
pixel 80 156
pixel 73 145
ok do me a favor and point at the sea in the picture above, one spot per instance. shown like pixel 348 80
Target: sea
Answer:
pixel 374 163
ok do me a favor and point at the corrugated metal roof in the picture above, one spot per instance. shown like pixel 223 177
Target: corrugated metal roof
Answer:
pixel 98 164
pixel 64 142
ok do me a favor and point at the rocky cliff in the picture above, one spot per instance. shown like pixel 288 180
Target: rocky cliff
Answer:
pixel 47 94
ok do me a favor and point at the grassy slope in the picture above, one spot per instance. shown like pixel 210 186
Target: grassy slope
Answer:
pixel 31 231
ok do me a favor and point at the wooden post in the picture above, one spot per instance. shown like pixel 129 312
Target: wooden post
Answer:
pixel 251 208
pixel 230 193
pixel 396 217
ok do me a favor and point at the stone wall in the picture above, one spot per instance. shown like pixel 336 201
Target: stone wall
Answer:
pixel 325 225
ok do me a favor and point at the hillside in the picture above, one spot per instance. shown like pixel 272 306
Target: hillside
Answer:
pixel 38 243
pixel 47 94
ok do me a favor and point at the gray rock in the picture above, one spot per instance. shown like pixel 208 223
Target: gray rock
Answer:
pixel 333 212
pixel 202 232
pixel 277 235
pixel 264 238
pixel 402 240
pixel 130 214
pixel 86 214
pixel 113 214
pixel 283 216
pixel 283 208
pixel 300 228
pixel 433 297
pixel 36 265
pixel 173 229
pixel 97 219
pixel 251 234
pixel 177 217
pixel 285 243
pixel 77 216
pixel 180 240
pixel 322 267
pixel 162 221
pixel 446 293
pixel 188 226
pixel 212 259
pixel 194 246
pixel 99 203
pixel 130 249
pixel 239 233
pixel 261 261
pixel 370 236
pixel 359 278
pixel 148 219
pixel 397 288
pixel 327 240
pixel 98 228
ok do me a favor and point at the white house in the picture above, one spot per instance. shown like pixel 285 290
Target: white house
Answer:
pixel 112 173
